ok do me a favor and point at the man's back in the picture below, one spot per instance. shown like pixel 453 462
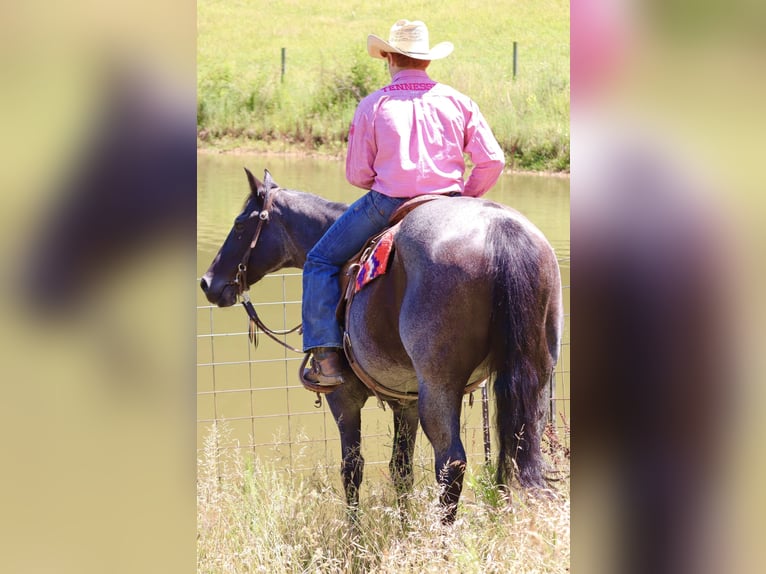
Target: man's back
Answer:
pixel 409 137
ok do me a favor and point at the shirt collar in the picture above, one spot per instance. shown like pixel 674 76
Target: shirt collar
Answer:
pixel 409 74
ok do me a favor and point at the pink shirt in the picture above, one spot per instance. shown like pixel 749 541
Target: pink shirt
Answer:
pixel 408 139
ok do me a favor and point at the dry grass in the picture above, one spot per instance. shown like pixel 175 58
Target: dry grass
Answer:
pixel 253 517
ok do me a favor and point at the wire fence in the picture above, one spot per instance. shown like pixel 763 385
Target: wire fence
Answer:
pixel 269 415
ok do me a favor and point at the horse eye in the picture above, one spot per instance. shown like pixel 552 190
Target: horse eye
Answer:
pixel 239 226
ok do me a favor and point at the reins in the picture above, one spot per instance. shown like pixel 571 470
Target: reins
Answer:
pixel 240 280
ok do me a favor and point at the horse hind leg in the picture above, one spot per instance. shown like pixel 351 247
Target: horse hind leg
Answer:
pixel 439 414
pixel 554 321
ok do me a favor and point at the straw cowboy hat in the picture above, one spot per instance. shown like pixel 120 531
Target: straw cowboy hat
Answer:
pixel 410 39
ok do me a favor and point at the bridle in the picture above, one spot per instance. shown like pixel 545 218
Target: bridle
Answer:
pixel 240 281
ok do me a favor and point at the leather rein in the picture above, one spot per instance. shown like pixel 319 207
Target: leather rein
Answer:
pixel 240 280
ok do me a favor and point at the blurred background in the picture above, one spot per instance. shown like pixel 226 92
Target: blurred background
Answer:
pixel 97 227
pixel 667 238
pixel 97 221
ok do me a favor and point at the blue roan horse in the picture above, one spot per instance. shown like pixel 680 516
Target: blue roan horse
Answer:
pixel 473 290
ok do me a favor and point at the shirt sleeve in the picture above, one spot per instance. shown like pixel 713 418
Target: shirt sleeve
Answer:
pixel 485 153
pixel 360 157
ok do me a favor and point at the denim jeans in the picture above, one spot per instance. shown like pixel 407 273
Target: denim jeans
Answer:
pixel 321 290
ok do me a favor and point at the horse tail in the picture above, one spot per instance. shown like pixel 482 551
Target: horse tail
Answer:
pixel 519 355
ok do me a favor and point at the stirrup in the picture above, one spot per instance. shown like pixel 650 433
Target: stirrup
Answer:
pixel 312 385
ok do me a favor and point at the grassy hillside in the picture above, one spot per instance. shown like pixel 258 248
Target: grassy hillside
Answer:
pixel 244 101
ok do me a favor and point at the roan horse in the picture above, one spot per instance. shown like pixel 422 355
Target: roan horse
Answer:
pixel 473 290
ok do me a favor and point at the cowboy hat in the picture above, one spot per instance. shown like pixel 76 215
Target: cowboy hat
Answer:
pixel 410 39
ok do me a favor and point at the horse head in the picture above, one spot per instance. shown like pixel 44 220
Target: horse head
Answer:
pixel 254 247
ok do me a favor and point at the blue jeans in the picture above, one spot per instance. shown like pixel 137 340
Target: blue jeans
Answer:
pixel 321 289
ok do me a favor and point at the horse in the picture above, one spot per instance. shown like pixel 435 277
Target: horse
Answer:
pixel 473 290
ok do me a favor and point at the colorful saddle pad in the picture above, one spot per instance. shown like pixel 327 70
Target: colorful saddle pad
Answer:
pixel 376 263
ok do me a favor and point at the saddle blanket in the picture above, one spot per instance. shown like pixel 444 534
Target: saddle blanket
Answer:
pixel 376 262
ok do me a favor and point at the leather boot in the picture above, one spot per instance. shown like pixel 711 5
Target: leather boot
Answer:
pixel 327 366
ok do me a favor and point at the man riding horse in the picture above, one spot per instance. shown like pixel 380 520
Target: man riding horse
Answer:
pixel 406 140
pixel 472 290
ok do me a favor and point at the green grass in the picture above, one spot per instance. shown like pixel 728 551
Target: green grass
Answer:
pixel 254 517
pixel 244 102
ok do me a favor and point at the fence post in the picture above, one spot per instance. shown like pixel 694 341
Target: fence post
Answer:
pixel 485 420
pixel 552 399
pixel 515 58
pixel 284 58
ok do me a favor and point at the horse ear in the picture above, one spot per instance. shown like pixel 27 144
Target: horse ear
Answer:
pixel 268 181
pixel 256 186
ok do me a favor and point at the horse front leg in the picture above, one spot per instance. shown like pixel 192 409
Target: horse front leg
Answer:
pixel 405 432
pixel 346 407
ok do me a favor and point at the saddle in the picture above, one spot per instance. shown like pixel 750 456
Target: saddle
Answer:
pixel 371 261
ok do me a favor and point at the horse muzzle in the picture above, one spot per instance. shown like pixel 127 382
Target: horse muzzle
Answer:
pixel 223 294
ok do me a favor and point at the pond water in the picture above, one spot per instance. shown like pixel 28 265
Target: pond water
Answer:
pixel 256 391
